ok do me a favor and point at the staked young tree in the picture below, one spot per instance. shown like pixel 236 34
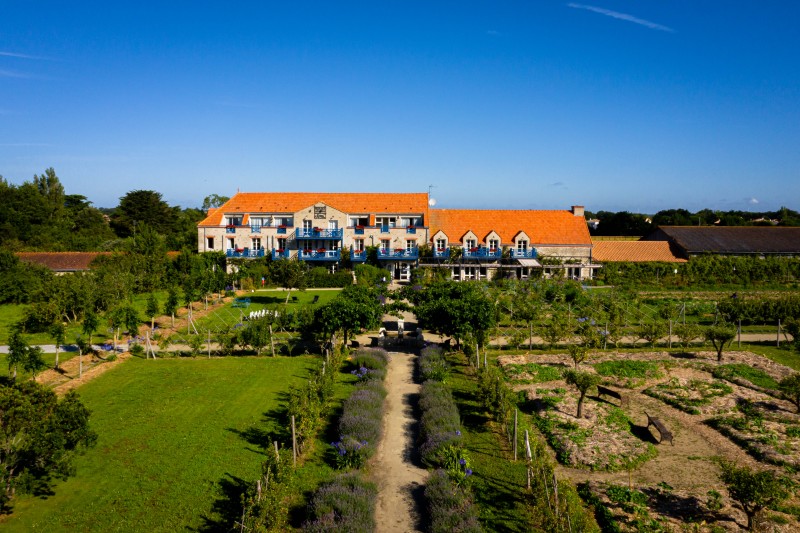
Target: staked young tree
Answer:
pixel 91 321
pixel 719 336
pixel 152 309
pixel 40 434
pixel 172 303
pixel 583 381
pixel 59 333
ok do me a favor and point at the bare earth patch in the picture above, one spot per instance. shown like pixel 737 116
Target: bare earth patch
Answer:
pixel 676 482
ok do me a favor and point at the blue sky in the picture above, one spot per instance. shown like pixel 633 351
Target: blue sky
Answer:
pixel 616 105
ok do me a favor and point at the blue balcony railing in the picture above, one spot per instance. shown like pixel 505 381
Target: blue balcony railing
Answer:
pixel 317 233
pixel 399 254
pixel 359 230
pixel 281 230
pixel 385 229
pixel 244 252
pixel 280 253
pixel 441 253
pixel 411 229
pixel 481 253
pixel 524 254
pixel 230 229
pixel 255 229
pixel 319 255
pixel 358 256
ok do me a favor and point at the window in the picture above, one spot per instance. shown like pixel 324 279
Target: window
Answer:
pixel 234 221
pixel 358 245
pixel 307 225
pixel 493 244
pixel 386 221
pixel 359 221
pixel 573 272
pixel 284 221
pixel 210 243
pixel 231 243
pixel 410 245
pixel 469 244
pixel 441 244
pixel 333 224
pixel 282 244
pixel 522 245
pixel 256 243
pixel 385 243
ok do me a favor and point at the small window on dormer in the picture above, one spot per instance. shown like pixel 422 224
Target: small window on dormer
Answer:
pixel 493 244
pixel 470 243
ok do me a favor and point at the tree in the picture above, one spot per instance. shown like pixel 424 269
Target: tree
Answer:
pixel 138 207
pixel 754 490
pixel 556 329
pixel 687 333
pixel 578 353
pixel 719 336
pixel 455 309
pixel 354 308
pixel 651 331
pixel 152 309
pixel 213 200
pixel 17 349
pixel 526 308
pixel 583 381
pixel 59 333
pixel 34 362
pixel 90 324
pixel 790 387
pixel 39 435
pixel 172 303
pixel 289 274
pixel 257 334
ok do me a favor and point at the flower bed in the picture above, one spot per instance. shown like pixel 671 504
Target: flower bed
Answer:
pixel 346 504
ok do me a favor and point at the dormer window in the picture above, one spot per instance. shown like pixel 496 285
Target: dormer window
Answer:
pixel 493 244
pixel 522 245
pixel 469 244
pixel 441 244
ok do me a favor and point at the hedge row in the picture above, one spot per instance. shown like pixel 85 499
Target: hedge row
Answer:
pixel 345 504
pixel 440 424
pixel 451 507
pixel 432 364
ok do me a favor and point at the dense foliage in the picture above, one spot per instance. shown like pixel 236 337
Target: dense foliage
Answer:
pixel 38 436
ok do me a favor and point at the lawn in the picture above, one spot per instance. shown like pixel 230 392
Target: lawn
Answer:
pixel 177 440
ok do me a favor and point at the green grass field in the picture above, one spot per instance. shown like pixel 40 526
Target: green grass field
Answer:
pixel 178 439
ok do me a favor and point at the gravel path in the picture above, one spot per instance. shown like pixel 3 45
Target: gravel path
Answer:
pixel 400 482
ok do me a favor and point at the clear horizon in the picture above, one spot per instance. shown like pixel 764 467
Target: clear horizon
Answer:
pixel 613 105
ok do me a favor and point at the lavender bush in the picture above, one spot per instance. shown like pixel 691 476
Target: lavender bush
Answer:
pixel 432 365
pixel 440 425
pixel 450 507
pixel 346 504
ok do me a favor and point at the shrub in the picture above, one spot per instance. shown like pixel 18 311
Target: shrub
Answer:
pixel 432 364
pixel 450 506
pixel 440 424
pixel 346 504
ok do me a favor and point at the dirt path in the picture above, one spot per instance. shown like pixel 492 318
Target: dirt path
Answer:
pixel 399 481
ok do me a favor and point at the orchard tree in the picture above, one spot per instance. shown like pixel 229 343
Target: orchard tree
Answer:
pixel 172 303
pixel 459 310
pixel 289 274
pixel 651 331
pixel 257 334
pixel 527 306
pixel 353 309
pixel 152 309
pixel 719 336
pixel 754 490
pixel 59 334
pixel 556 328
pixel 91 321
pixel 39 434
pixel 583 381
pixel 687 333
pixel 17 350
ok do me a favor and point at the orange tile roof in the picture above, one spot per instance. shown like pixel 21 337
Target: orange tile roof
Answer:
pixel 291 202
pixel 635 251
pixel 541 227
pixel 61 261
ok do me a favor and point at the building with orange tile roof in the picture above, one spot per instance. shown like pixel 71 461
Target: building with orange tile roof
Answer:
pixel 405 230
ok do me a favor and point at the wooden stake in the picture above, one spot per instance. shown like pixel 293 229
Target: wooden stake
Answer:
pixel 294 445
pixel 778 336
pixel 516 413
pixel 555 492
pixel 209 343
pixel 277 455
pixel 271 341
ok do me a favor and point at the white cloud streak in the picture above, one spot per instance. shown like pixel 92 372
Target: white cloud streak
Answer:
pixel 622 16
pixel 12 74
pixel 22 56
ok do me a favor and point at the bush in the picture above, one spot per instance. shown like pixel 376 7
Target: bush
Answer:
pixel 440 424
pixel 346 504
pixel 432 364
pixel 450 506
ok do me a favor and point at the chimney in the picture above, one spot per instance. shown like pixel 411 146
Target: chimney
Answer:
pixel 577 210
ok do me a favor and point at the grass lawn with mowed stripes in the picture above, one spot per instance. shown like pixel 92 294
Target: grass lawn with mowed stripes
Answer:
pixel 173 436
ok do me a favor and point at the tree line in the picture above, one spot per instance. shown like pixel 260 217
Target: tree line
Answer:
pixel 39 215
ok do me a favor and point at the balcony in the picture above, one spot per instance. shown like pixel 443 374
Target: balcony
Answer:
pixel 281 230
pixel 255 229
pixel 385 229
pixel 359 230
pixel 411 230
pixel 230 229
pixel 441 253
pixel 482 252
pixel 319 255
pixel 244 252
pixel 524 254
pixel 358 256
pixel 398 254
pixel 279 253
pixel 318 234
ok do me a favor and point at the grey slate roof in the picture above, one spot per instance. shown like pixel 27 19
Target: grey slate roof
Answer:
pixel 731 239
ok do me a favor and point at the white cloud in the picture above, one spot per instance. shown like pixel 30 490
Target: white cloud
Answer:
pixel 22 56
pixel 622 16
pixel 13 74
pixel 752 201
